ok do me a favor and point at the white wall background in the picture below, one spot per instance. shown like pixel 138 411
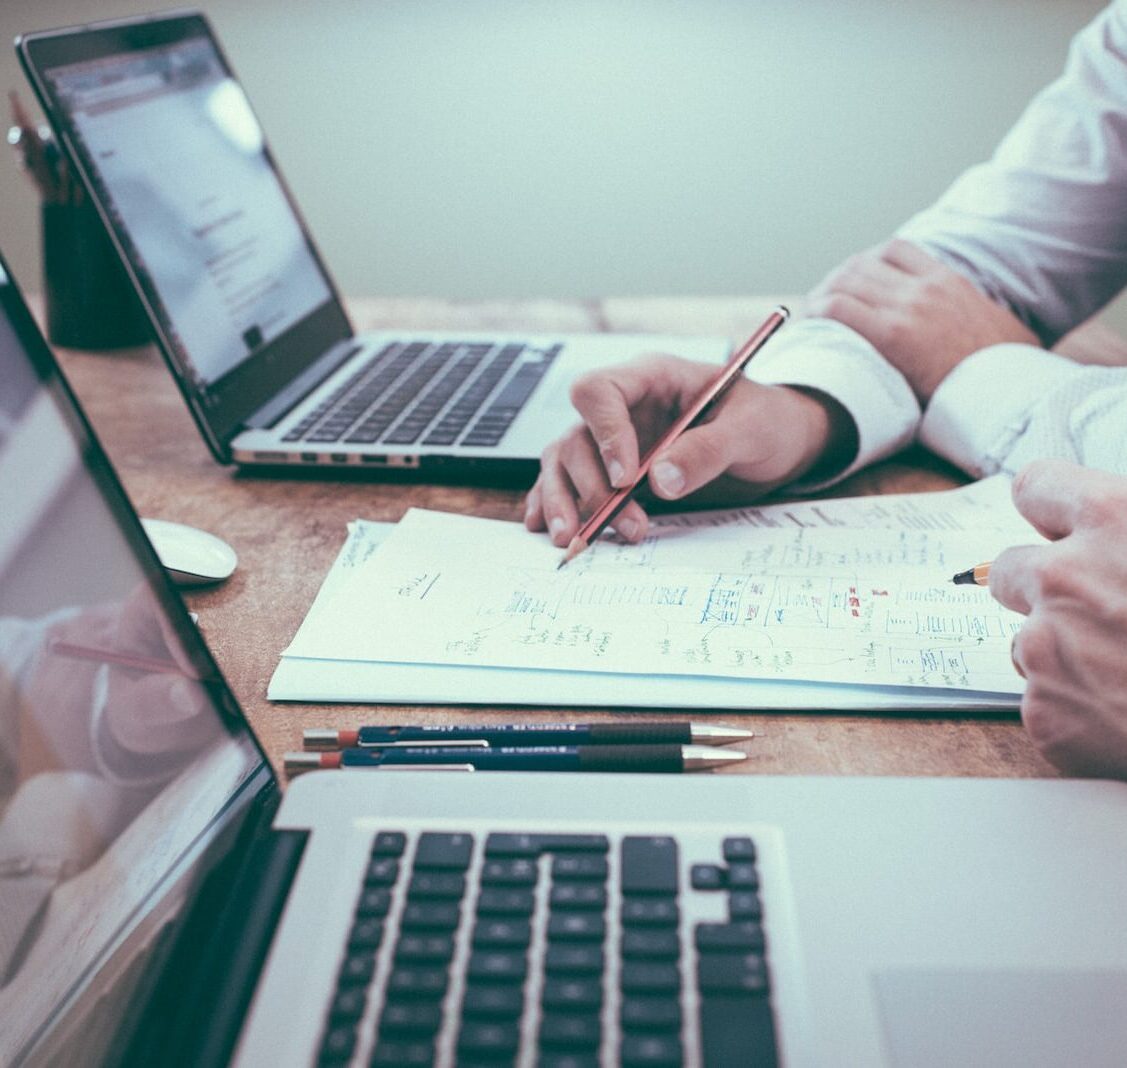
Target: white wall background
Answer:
pixel 478 148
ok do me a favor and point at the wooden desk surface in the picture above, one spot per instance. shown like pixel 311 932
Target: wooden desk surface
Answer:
pixel 288 531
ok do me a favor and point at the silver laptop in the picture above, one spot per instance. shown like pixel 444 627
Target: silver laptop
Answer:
pixel 161 904
pixel 153 118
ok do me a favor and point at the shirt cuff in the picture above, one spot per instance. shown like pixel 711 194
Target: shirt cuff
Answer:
pixel 827 356
pixel 983 406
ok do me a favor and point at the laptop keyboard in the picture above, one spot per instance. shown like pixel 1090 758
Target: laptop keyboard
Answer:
pixel 430 394
pixel 556 950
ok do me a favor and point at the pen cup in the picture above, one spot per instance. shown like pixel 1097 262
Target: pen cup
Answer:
pixel 90 301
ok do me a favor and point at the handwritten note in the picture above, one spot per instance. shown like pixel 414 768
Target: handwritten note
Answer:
pixel 850 591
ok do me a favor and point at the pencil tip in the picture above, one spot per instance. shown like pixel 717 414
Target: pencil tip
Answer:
pixel 574 548
pixel 964 578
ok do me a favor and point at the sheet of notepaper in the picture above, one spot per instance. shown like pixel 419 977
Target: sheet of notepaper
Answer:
pixel 854 590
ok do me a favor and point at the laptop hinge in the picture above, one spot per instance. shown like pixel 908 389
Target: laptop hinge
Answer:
pixel 305 383
pixel 195 1013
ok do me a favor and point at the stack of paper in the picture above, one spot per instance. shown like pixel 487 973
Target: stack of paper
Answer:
pixel 836 604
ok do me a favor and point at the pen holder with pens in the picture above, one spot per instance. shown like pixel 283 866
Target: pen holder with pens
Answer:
pixel 90 301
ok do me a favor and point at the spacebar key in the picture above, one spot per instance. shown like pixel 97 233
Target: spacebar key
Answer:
pixel 737 1029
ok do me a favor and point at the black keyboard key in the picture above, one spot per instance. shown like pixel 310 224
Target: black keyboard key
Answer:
pixel 410 982
pixel 496 967
pixel 415 1019
pixel 729 937
pixel 502 934
pixel 430 916
pixel 648 1013
pixel 424 949
pixel 707 877
pixel 501 901
pixel 437 885
pixel 493 1001
pixel 567 1059
pixel 737 849
pixel 382 871
pixel 397 1054
pixel 576 927
pixel 649 977
pixel 649 865
pixel 650 912
pixel 439 437
pixel 450 852
pixel 509 873
pixel 640 943
pixel 737 1030
pixel 365 934
pixel 585 867
pixel 348 1004
pixel 743 876
pixel 578 896
pixel 661 1051
pixel 732 973
pixel 744 905
pixel 575 843
pixel 567 959
pixel 357 969
pixel 512 845
pixel 338 1044
pixel 570 1030
pixel 572 995
pixel 488 1039
pixel 374 901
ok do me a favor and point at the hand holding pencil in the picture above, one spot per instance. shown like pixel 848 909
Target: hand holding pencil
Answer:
pixel 752 439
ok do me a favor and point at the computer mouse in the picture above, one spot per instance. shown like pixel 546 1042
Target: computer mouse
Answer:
pixel 192 557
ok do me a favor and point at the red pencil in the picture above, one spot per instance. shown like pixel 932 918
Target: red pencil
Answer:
pixel 715 389
pixel 111 656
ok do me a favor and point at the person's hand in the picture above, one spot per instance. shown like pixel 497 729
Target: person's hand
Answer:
pixel 920 315
pixel 755 438
pixel 146 712
pixel 1071 647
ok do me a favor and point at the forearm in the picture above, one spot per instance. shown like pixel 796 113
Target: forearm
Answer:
pixel 871 411
pixel 1011 404
pixel 1042 227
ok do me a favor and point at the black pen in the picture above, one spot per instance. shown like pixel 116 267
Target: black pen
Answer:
pixel 521 734
pixel 675 758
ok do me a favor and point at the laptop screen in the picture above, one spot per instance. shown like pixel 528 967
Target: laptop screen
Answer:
pixel 121 750
pixel 179 166
pixel 180 158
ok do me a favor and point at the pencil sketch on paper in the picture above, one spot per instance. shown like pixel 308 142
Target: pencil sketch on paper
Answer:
pixel 801 596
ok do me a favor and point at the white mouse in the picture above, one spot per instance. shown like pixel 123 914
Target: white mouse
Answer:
pixel 192 557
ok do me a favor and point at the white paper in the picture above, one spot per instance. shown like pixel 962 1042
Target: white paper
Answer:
pixel 854 592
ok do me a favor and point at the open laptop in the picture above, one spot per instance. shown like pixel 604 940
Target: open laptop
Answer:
pixel 153 118
pixel 160 903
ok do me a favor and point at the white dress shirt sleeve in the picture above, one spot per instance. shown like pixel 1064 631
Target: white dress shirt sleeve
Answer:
pixel 824 355
pixel 1010 404
pixel 1042 226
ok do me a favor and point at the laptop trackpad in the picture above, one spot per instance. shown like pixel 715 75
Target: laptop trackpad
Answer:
pixel 1000 1018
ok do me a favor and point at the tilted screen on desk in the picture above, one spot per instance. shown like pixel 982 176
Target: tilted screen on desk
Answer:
pixel 115 761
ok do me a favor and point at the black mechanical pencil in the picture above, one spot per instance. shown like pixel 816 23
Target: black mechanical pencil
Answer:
pixel 521 734
pixel 664 758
